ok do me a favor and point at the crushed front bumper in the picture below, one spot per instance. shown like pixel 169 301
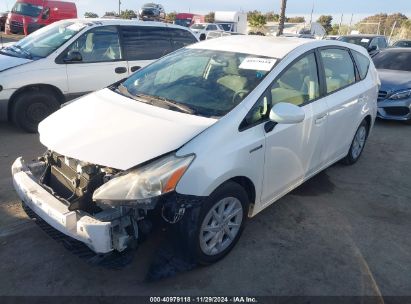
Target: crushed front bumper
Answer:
pixel 394 109
pixel 96 234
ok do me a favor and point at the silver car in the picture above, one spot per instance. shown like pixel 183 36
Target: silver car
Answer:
pixel 394 98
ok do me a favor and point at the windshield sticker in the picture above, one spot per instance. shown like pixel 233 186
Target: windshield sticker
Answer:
pixel 76 27
pixel 365 40
pixel 259 64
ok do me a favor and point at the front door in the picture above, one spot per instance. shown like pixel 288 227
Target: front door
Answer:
pixel 102 61
pixel 294 151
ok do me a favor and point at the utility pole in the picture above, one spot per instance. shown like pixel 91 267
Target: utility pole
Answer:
pixel 339 27
pixel 282 18
pixel 119 7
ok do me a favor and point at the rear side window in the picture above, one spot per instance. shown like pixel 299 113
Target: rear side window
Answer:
pixel 363 64
pixel 339 69
pixel 146 42
pixel 181 38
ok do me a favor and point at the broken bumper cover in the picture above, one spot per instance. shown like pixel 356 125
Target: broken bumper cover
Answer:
pixel 79 225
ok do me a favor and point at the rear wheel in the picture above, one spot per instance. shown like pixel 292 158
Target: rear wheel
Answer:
pixel 357 145
pixel 31 107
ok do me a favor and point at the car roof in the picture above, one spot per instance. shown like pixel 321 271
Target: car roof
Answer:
pixel 113 21
pixel 275 47
pixel 363 35
pixel 397 49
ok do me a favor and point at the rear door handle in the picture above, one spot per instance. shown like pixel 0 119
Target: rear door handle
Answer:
pixel 135 68
pixel 120 70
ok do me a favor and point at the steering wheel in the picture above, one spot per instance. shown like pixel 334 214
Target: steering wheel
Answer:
pixel 238 94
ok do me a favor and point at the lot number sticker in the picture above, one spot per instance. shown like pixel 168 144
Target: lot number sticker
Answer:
pixel 258 64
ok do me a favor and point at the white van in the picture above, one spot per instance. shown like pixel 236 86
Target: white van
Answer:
pixel 70 58
pixel 206 137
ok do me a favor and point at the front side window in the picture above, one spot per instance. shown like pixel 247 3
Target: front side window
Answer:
pixel 201 82
pixel 146 42
pixel 100 44
pixel 27 9
pixel 363 64
pixel 298 85
pixel 339 69
pixel 43 42
pixel 382 43
pixel 181 38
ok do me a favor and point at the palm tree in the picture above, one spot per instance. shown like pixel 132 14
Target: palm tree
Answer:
pixel 282 17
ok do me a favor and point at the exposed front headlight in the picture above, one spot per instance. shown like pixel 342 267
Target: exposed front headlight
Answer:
pixel 401 95
pixel 140 185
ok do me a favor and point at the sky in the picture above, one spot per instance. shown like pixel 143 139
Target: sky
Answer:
pixel 360 8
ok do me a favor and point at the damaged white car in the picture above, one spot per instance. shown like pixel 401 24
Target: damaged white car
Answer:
pixel 207 136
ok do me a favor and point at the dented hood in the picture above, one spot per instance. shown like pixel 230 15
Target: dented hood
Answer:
pixel 111 130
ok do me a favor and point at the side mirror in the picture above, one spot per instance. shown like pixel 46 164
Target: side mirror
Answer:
pixel 46 13
pixel 286 113
pixel 73 56
pixel 372 48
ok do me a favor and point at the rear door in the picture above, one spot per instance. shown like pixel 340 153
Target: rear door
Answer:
pixel 344 99
pixel 144 44
pixel 102 61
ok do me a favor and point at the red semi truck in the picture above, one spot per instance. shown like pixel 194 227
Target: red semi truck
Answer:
pixel 34 14
pixel 187 19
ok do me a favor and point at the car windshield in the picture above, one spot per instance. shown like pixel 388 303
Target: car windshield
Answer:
pixel 400 61
pixel 44 41
pixel 198 26
pixel 363 41
pixel 403 43
pixel 27 9
pixel 226 26
pixel 201 82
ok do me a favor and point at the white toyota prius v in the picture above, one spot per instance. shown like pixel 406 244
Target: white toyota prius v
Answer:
pixel 204 138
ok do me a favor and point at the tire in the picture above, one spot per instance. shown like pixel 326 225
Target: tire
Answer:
pixel 357 144
pixel 202 37
pixel 31 107
pixel 228 194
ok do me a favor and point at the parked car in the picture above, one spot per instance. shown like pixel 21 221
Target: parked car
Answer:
pixel 3 18
pixel 394 98
pixel 373 43
pixel 71 58
pixel 37 14
pixel 207 136
pixel 188 19
pixel 402 43
pixel 152 12
pixel 202 29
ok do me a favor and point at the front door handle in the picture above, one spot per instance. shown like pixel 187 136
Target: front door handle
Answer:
pixel 320 119
pixel 120 70
pixel 135 68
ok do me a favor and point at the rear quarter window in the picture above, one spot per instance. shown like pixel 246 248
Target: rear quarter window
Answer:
pixel 363 64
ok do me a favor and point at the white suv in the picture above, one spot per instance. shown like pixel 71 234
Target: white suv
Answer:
pixel 202 29
pixel 72 57
pixel 207 137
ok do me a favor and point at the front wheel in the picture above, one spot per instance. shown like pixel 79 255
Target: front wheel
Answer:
pixel 357 145
pixel 219 225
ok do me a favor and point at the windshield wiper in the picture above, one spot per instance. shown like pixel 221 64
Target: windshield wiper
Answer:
pixel 171 103
pixel 28 54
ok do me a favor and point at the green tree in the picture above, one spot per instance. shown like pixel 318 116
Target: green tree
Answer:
pixel 257 21
pixel 128 14
pixel 90 15
pixel 210 17
pixel 111 14
pixel 325 21
pixel 250 14
pixel 296 19
pixel 334 30
pixel 272 17
pixel 382 23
